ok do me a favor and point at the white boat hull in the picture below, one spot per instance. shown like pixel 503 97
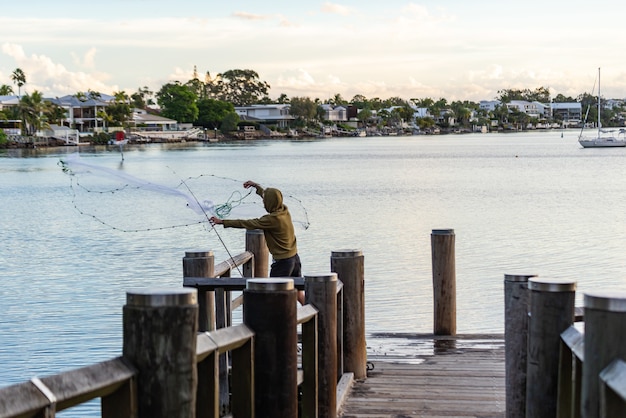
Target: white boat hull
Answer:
pixel 602 143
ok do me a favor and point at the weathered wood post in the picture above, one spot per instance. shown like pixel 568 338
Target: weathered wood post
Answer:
pixel 255 243
pixel 269 310
pixel 202 264
pixel 444 281
pixel 516 297
pixel 160 334
pixel 604 341
pixel 551 313
pixel 350 268
pixel 321 292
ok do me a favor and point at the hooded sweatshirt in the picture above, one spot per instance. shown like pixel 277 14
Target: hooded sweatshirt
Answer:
pixel 276 225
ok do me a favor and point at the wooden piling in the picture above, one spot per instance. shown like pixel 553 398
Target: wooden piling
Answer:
pixel 255 243
pixel 516 297
pixel 321 292
pixel 551 313
pixel 202 264
pixel 604 341
pixel 269 310
pixel 444 281
pixel 349 266
pixel 160 333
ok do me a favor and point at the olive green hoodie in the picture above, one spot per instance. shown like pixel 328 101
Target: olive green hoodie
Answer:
pixel 276 225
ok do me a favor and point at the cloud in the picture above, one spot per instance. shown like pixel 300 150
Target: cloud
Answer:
pixel 250 16
pixel 420 17
pixel 334 8
pixel 51 78
pixel 88 60
pixel 181 75
pixel 14 51
pixel 283 21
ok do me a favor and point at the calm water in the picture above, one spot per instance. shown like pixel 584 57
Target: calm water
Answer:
pixel 519 203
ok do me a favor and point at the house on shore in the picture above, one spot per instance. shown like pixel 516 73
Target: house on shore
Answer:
pixel 270 114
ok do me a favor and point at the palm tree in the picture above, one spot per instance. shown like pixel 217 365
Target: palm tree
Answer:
pixel 19 78
pixel 31 111
pixel 120 111
pixel 6 90
pixel 107 119
pixel 54 113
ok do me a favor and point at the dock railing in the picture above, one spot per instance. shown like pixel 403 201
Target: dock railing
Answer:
pixel 171 366
pixel 573 362
pixel 340 352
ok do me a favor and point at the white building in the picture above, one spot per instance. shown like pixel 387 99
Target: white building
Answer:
pixel 569 113
pixel 533 109
pixel 335 113
pixel 148 121
pixel 489 105
pixel 272 113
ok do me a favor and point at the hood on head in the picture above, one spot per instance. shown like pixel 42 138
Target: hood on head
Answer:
pixel 272 199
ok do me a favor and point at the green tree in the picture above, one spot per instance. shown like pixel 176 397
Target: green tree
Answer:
pixel 107 119
pixel 240 87
pixel 425 123
pixel 196 86
pixel 320 113
pixel 426 102
pixel 229 123
pixel 384 115
pixel 364 115
pixel 559 98
pixel 360 101
pixel 54 113
pixel 463 111
pixel 337 100
pixel 19 79
pixel 589 106
pixel 178 102
pixel 119 111
pixel 212 112
pixel 406 113
pixel 265 100
pixel 142 98
pixel 6 90
pixel 31 111
pixel 93 95
pixel 518 118
pixel 501 112
pixel 395 101
pixel 302 108
pixel 540 94
pixel 3 139
pixel 282 99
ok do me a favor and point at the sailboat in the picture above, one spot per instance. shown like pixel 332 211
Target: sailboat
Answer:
pixel 603 138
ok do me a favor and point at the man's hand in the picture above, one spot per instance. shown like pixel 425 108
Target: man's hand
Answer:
pixel 249 184
pixel 215 221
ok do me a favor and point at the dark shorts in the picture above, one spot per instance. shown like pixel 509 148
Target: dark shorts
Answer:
pixel 287 267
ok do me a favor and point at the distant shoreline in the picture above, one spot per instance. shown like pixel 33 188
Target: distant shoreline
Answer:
pixel 55 143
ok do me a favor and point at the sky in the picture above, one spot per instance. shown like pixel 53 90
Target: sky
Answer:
pixel 452 49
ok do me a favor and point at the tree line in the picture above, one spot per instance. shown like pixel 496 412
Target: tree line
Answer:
pixel 209 101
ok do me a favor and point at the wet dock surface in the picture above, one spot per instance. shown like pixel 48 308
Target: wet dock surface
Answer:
pixel 430 376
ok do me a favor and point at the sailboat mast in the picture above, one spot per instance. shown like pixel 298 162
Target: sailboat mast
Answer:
pixel 598 101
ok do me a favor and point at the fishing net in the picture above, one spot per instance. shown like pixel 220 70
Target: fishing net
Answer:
pixel 129 203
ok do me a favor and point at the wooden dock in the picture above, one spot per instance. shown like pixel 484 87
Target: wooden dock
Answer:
pixel 430 376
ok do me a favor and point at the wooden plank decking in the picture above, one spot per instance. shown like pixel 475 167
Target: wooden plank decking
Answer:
pixel 427 376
